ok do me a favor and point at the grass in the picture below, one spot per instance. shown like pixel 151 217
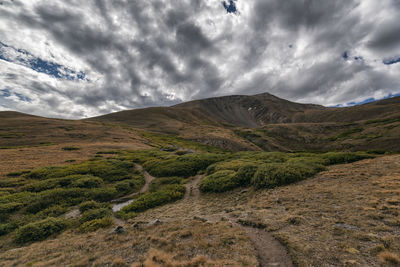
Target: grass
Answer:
pixel 167 194
pixel 40 230
pixel 27 198
pixel 270 169
pixel 185 166
pixel 346 134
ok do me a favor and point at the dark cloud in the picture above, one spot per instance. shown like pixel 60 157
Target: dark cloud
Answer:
pixel 144 53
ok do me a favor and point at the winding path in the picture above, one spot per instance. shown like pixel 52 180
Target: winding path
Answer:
pixel 148 179
pixel 270 251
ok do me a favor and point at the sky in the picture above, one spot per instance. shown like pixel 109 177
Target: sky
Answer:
pixel 76 59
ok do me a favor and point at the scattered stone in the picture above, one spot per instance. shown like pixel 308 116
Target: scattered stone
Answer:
pixel 244 191
pixel 118 230
pixel 345 226
pixel 199 219
pixel 155 222
pixel 75 213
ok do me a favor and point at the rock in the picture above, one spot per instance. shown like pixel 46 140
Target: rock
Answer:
pixel 154 222
pixel 345 226
pixel 118 230
pixel 75 213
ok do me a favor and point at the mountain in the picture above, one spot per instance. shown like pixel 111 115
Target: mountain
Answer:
pixel 267 122
pixel 237 122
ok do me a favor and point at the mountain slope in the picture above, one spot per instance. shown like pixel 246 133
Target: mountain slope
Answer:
pixel 269 123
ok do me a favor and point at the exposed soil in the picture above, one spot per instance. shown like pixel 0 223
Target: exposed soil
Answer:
pixel 192 188
pixel 270 252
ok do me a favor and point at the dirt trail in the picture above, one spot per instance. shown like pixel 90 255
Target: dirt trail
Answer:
pixel 270 251
pixel 192 188
pixel 148 179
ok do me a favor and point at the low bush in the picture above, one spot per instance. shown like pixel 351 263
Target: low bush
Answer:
pixel 92 214
pixel 40 230
pixel 6 208
pixel 245 174
pixel 127 186
pixel 232 165
pixel 276 174
pixel 158 183
pixel 7 228
pixel 16 174
pixel 102 194
pixel 89 205
pixel 219 181
pixel 344 157
pixel 52 211
pixel 88 182
pixel 185 166
pixel 167 194
pixel 45 199
pixel 109 170
pixel 96 224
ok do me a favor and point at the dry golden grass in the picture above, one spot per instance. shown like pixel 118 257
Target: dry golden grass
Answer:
pixel 390 258
pixel 347 213
pixel 174 243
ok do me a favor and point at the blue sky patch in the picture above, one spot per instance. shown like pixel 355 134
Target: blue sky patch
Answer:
pixel 5 92
pixel 230 6
pixel 26 59
pixel 366 101
pixel 391 61
pixel 345 55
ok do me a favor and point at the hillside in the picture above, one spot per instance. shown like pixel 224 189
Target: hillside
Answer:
pixel 269 123
pixel 202 184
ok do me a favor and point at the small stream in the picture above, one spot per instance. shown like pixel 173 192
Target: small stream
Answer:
pixel 119 206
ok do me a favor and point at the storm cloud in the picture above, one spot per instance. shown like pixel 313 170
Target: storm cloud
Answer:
pixel 75 59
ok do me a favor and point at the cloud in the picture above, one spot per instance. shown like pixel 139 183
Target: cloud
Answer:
pixel 77 59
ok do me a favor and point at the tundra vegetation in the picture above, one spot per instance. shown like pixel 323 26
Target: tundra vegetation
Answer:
pixel 33 204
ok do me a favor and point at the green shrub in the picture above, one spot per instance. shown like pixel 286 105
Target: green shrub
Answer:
pixel 127 186
pixel 7 228
pixel 53 183
pixel 265 157
pixel 245 174
pixel 96 224
pixel 219 181
pixel 12 182
pixel 88 182
pixel 94 214
pixel 276 174
pixel 168 193
pixel 89 205
pixel 103 194
pixel 344 157
pixel 232 165
pixel 52 211
pixel 109 170
pixel 45 199
pixel 10 207
pixel 185 166
pixel 40 230
pixel 158 183
pixel 17 174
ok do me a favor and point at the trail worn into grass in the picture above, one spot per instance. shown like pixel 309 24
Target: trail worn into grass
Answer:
pixel 269 251
pixel 192 188
pixel 148 179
